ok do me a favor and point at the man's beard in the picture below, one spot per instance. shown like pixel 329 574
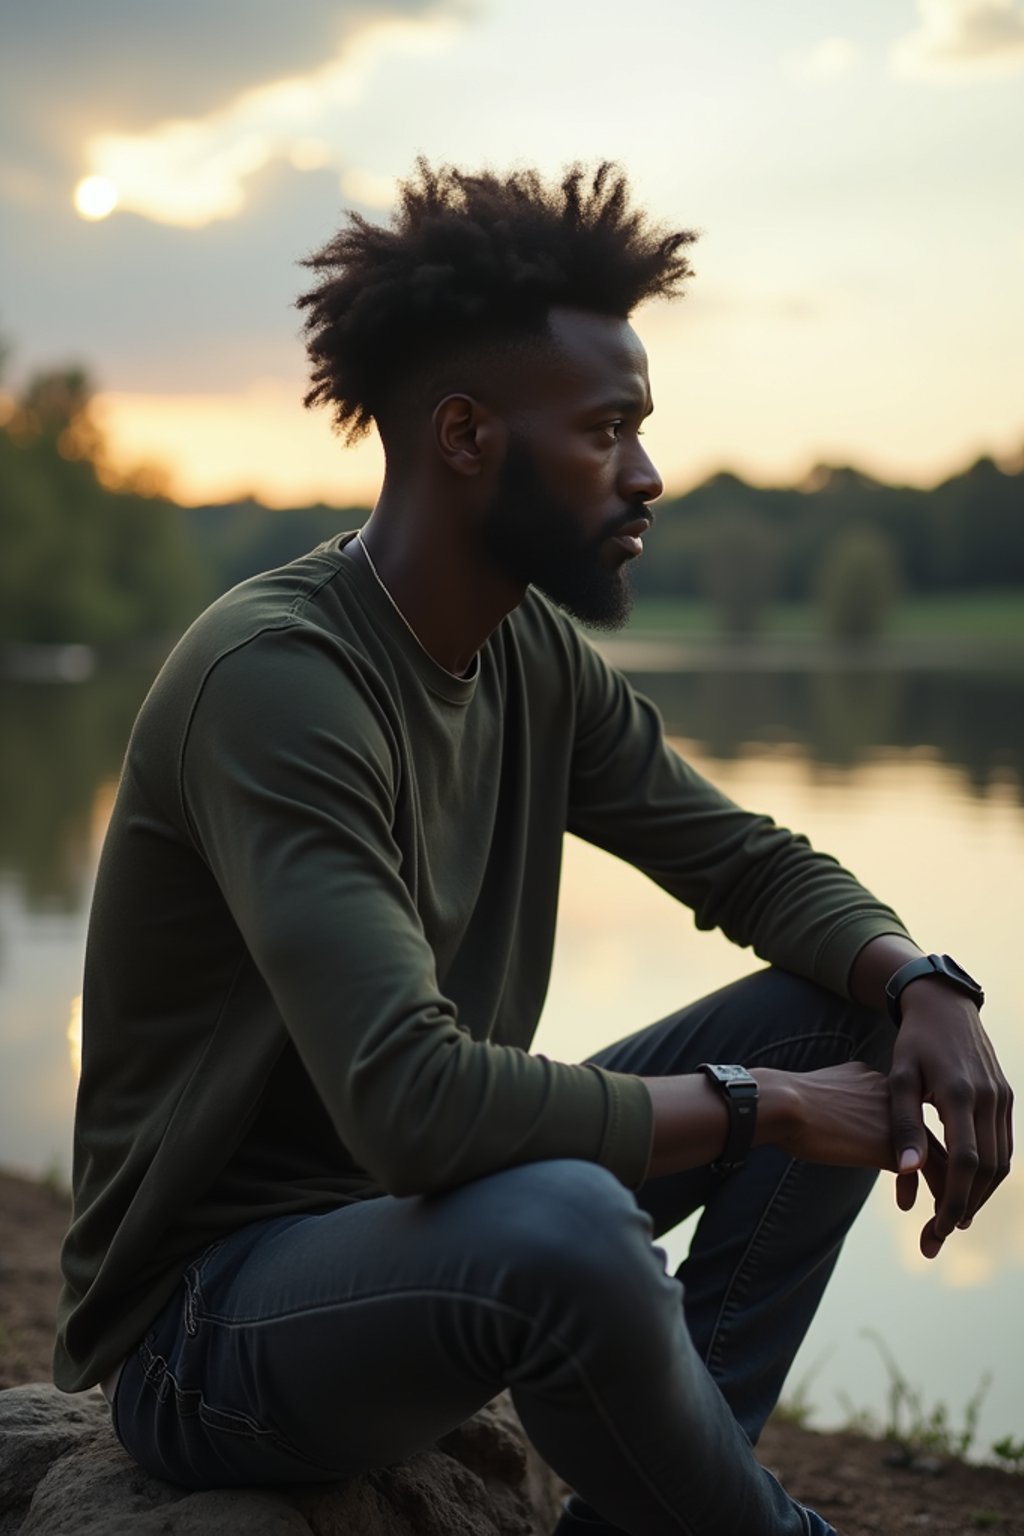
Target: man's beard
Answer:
pixel 536 540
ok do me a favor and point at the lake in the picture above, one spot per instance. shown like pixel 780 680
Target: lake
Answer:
pixel 912 777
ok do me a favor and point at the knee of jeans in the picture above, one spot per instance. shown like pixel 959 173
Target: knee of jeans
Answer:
pixel 577 1228
pixel 869 1032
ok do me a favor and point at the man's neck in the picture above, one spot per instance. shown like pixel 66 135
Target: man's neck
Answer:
pixel 449 595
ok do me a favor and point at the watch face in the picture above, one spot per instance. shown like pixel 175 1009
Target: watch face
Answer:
pixel 731 1074
pixel 936 965
pixel 958 973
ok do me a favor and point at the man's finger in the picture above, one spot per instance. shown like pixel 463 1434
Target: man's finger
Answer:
pixel 993 1119
pixel 906 1190
pixel 934 1171
pixel 963 1162
pixel 931 1242
pixel 986 1133
pixel 909 1138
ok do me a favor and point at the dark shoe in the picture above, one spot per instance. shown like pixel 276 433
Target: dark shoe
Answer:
pixel 578 1519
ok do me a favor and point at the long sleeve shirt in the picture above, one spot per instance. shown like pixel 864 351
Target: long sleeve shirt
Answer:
pixel 324 917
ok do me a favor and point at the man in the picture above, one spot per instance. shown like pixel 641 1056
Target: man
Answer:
pixel 327 1203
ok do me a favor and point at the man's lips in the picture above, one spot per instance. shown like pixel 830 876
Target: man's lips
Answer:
pixel 630 537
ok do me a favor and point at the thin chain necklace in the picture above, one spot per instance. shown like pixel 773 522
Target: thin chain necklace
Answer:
pixel 383 586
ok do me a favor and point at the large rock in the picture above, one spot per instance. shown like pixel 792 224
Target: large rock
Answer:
pixel 62 1473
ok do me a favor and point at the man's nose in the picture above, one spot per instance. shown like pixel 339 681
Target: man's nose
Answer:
pixel 641 481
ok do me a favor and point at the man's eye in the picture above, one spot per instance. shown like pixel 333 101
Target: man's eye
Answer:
pixel 614 430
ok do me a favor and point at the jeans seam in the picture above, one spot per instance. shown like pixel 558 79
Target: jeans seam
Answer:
pixel 791 1040
pixel 710 1355
pixel 742 1262
pixel 449 1294
pixel 190 1403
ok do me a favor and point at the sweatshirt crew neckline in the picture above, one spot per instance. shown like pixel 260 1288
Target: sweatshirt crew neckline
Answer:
pixel 442 683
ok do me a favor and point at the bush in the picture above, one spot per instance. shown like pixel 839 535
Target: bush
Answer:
pixel 857 584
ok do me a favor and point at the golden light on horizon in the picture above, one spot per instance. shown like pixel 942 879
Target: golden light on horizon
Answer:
pixel 95 197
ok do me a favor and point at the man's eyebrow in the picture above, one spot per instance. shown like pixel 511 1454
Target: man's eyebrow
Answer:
pixel 624 405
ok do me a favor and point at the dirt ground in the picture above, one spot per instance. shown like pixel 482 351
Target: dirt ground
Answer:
pixel 845 1476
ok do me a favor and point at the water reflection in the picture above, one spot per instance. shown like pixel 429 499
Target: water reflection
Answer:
pixel 58 744
pixel 972 720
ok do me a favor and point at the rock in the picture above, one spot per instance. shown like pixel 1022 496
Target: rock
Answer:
pixel 63 1473
pixel 38 1425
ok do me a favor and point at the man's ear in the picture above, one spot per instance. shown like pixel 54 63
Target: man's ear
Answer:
pixel 469 437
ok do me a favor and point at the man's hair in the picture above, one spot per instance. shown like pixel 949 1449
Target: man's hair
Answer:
pixel 473 261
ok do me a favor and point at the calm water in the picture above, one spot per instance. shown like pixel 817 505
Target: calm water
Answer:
pixel 915 780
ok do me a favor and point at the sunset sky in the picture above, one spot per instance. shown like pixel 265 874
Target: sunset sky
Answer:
pixel 854 167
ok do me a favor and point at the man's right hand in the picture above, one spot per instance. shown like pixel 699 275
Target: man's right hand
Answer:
pixel 839 1115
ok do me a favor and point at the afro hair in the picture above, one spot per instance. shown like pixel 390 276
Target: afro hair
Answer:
pixel 472 261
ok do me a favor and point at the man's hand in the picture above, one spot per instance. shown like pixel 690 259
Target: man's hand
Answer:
pixel 943 1056
pixel 840 1115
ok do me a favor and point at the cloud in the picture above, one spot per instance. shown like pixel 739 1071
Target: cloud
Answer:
pixel 962 39
pixel 73 70
pixel 191 172
pixel 832 57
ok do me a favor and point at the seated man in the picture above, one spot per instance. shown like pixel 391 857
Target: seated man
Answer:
pixel 327 1203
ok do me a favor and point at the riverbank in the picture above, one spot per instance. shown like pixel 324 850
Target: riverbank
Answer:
pixel 992 618
pixel 845 1476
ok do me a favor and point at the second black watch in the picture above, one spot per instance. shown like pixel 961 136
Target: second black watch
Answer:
pixel 740 1092
pixel 942 966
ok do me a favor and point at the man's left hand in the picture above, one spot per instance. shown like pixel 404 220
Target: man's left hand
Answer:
pixel 943 1057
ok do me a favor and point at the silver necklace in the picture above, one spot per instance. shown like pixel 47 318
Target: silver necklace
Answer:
pixel 383 586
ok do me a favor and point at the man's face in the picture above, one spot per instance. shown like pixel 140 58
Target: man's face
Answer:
pixel 570 506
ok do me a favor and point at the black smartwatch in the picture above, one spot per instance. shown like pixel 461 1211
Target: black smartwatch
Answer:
pixel 739 1090
pixel 942 966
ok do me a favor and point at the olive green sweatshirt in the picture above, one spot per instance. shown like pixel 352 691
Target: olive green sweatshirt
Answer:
pixel 323 924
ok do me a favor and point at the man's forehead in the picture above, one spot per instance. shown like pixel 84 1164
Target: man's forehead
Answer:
pixel 595 353
pixel 595 339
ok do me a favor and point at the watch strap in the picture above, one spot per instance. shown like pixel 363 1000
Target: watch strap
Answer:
pixel 740 1092
pixel 942 966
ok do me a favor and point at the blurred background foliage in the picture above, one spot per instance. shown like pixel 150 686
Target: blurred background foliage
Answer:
pixel 90 557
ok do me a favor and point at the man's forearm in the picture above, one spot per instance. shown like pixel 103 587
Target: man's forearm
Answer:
pixel 691 1120
pixel 875 963
pixel 834 1115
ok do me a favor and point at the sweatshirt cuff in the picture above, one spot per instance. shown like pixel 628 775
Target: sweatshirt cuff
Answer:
pixel 835 958
pixel 629 1128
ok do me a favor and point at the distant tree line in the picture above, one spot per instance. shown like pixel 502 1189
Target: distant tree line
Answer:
pixel 843 540
pixel 86 558
pixel 79 561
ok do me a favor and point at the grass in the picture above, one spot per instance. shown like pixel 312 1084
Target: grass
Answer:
pixel 918 1431
pixel 922 1435
pixel 796 1407
pixel 995 617
pixel 1010 1453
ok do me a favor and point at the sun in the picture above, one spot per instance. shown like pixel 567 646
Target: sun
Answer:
pixel 95 197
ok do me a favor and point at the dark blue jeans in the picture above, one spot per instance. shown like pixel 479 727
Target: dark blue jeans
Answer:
pixel 318 1346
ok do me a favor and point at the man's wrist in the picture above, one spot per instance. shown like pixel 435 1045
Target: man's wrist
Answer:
pixel 740 1093
pixel 878 960
pixel 778 1106
pixel 941 971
